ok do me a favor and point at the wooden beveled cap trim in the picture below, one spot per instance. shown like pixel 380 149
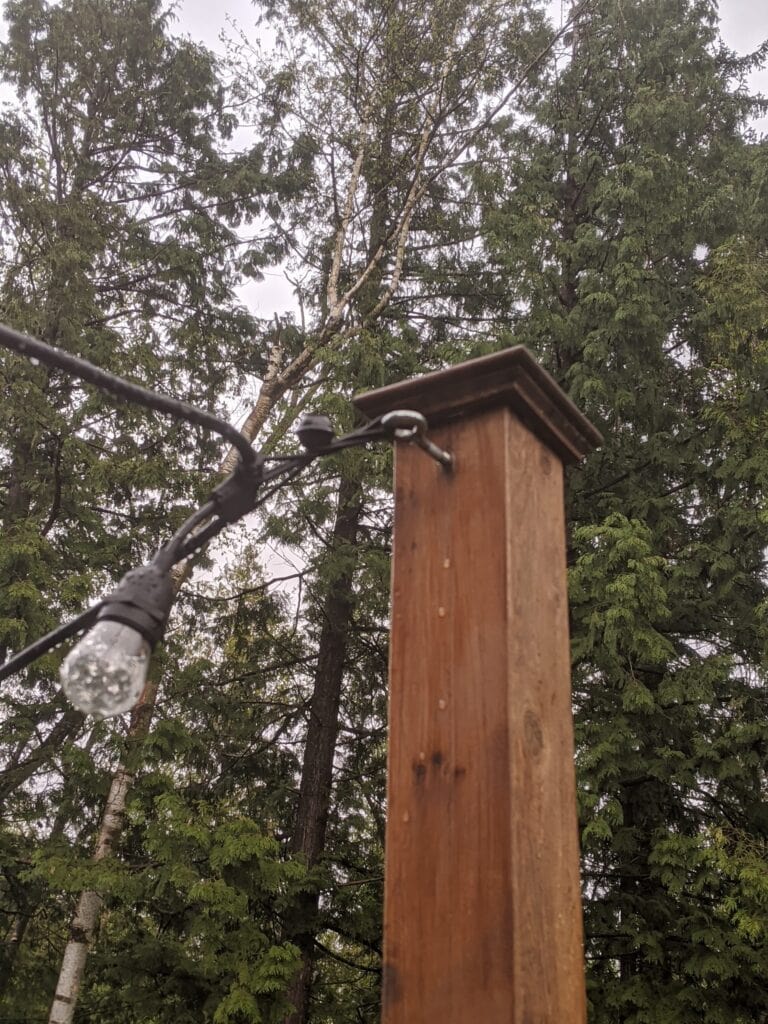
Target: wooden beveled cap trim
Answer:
pixel 512 378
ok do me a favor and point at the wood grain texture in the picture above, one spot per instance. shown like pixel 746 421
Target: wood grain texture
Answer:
pixel 482 902
pixel 511 378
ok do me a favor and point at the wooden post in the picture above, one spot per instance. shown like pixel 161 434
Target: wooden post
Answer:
pixel 482 918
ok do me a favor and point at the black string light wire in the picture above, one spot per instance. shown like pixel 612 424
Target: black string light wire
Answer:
pixel 104 674
pixel 123 390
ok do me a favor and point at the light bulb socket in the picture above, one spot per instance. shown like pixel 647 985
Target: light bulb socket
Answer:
pixel 142 599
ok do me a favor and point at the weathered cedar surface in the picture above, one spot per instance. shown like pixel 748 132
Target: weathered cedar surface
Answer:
pixel 509 378
pixel 482 903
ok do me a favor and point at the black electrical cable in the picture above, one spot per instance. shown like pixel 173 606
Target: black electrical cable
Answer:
pixel 372 431
pixel 169 553
pixel 238 491
pixel 235 497
pixel 45 643
pixel 124 390
pixel 199 540
pixel 167 556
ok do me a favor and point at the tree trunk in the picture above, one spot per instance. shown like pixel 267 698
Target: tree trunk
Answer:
pixel 88 911
pixel 308 841
pixel 11 946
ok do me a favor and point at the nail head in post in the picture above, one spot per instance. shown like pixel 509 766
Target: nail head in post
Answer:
pixel 315 431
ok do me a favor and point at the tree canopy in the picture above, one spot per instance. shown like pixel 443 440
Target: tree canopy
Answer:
pixel 439 180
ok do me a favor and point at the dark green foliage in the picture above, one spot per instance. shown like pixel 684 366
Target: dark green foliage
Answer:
pixel 618 221
pixel 616 226
pixel 193 930
pixel 117 204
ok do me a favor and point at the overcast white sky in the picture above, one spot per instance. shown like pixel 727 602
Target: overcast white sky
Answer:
pixel 744 25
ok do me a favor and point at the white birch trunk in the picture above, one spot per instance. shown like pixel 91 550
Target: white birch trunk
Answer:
pixel 81 934
pixel 85 922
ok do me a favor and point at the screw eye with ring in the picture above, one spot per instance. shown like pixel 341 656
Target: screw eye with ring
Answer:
pixel 410 426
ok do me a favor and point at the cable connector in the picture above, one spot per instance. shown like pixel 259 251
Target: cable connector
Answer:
pixel 236 496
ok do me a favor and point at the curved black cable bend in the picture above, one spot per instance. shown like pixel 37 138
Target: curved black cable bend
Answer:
pixel 124 390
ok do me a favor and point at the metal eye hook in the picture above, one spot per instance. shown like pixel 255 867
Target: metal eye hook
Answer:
pixel 409 425
pixel 404 424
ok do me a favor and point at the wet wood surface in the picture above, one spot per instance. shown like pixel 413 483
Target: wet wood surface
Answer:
pixel 511 378
pixel 482 903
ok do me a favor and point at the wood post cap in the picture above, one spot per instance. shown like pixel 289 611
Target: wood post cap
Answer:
pixel 510 378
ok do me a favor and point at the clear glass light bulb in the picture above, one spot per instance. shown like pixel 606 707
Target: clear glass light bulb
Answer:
pixel 105 673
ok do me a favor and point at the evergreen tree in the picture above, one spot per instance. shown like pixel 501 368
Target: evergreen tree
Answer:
pixel 118 206
pixel 448 182
pixel 157 211
pixel 385 101
pixel 616 219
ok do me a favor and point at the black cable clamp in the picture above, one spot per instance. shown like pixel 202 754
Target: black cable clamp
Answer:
pixel 236 496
